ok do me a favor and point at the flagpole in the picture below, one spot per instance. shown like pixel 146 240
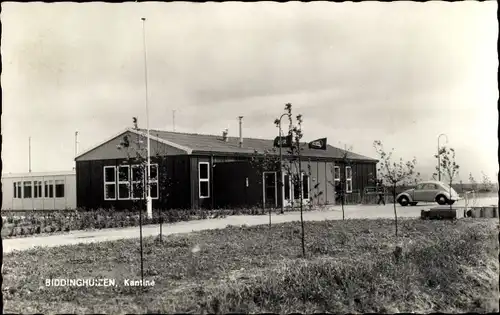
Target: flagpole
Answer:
pixel 149 206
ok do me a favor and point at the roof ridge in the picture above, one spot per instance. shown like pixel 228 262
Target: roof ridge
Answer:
pixel 213 135
pixel 203 134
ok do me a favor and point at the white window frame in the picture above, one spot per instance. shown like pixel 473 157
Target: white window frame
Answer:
pixel 290 184
pixel 47 184
pixel 121 182
pixel 111 182
pixel 336 179
pixel 64 188
pixel 132 182
pixel 37 193
pixel 20 191
pixel 156 180
pixel 296 198
pixel 308 186
pixel 348 180
pixel 275 187
pixel 31 189
pixel 201 180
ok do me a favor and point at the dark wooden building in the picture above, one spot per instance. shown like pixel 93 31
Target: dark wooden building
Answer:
pixel 207 171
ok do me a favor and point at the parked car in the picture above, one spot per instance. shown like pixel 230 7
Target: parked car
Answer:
pixel 429 191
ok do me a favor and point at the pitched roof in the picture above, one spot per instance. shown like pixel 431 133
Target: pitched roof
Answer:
pixel 202 143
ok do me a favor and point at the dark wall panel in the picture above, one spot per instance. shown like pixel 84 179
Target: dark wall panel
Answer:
pixel 230 185
pixel 90 184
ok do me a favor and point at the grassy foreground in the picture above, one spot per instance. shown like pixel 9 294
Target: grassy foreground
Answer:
pixel 449 267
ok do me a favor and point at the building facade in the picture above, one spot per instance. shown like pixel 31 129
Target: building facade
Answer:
pixel 39 191
pixel 193 171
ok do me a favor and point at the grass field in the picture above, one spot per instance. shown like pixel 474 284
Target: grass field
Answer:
pixel 449 267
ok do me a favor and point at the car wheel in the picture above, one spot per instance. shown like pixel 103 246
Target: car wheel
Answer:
pixel 413 203
pixel 441 200
pixel 404 201
pixel 450 202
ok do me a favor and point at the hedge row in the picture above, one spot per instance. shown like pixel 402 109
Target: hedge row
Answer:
pixel 15 224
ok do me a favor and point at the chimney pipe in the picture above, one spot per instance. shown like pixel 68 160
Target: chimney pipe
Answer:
pixel 241 134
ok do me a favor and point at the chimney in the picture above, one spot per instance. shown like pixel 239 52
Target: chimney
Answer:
pixel 241 134
pixel 224 135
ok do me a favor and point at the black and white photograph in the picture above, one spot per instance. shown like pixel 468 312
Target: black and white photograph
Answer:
pixel 260 157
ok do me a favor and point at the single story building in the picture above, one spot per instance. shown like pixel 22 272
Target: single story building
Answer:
pixel 193 171
pixel 39 191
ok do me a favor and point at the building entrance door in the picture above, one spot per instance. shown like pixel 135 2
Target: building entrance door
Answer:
pixel 270 191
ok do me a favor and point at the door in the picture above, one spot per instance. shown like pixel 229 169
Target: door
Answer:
pixel 425 192
pixel 304 180
pixel 418 193
pixel 270 190
pixel 430 191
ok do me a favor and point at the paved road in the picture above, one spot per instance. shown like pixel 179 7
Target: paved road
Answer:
pixel 334 213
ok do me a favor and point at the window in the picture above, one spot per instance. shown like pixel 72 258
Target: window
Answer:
pixel 123 182
pixel 204 179
pixel 287 186
pixel 348 179
pixel 49 189
pixel 429 187
pixel 296 187
pixel 153 179
pixel 59 188
pixel 15 189
pixel 19 190
pixel 336 173
pixel 37 189
pixel 27 190
pixel 305 186
pixel 109 183
pixel 138 181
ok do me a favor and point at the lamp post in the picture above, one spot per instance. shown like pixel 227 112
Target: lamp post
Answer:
pixel 149 206
pixel 439 155
pixel 281 166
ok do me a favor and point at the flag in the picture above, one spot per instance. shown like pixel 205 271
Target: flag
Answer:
pixel 319 144
pixel 286 142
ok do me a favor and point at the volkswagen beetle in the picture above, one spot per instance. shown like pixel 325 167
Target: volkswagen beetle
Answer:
pixel 429 191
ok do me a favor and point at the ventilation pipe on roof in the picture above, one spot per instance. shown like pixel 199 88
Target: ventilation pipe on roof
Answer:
pixel 241 133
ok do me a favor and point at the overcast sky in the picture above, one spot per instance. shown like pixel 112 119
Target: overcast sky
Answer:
pixel 399 72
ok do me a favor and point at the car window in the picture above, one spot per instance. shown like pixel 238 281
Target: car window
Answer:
pixel 419 187
pixel 429 187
